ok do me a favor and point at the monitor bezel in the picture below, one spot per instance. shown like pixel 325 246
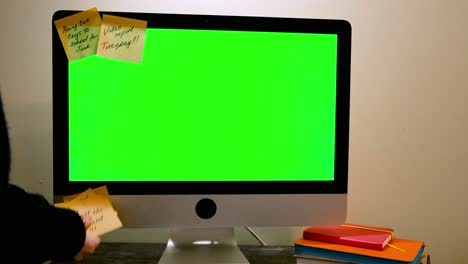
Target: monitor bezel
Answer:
pixel 342 28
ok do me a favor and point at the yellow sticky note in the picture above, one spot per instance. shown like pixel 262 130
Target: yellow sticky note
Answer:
pixel 62 205
pixel 122 38
pixel 97 204
pixel 104 217
pixel 99 191
pixel 79 33
pixel 104 221
pixel 68 198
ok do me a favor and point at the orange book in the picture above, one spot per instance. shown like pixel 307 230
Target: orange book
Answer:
pixel 405 251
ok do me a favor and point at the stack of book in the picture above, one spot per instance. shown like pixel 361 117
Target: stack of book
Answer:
pixel 358 244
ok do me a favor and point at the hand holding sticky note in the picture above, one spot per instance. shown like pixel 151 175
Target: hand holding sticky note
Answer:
pixel 97 204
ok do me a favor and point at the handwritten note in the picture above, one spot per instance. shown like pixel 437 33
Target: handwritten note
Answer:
pixel 79 33
pixel 94 202
pixel 122 38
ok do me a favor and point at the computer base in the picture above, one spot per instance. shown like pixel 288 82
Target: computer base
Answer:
pixel 202 246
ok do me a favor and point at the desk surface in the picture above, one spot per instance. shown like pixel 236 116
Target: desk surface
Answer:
pixel 121 253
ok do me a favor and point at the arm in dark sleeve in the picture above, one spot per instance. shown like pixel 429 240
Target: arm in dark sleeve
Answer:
pixel 38 231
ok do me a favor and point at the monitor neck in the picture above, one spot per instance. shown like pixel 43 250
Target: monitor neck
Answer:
pixel 202 245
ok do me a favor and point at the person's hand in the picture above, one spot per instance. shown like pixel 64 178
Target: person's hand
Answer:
pixel 91 242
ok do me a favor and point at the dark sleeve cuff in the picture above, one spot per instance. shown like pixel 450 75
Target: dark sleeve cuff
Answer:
pixel 67 233
pixel 50 233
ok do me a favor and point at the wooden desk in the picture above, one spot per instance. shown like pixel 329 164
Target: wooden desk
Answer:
pixel 122 253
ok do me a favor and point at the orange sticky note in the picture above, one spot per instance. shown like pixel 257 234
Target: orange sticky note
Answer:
pixel 79 33
pixel 122 38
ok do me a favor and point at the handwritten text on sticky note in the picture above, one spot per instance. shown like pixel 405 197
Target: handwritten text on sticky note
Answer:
pixel 97 204
pixel 122 38
pixel 79 33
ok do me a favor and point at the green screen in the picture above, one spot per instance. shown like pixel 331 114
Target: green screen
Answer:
pixel 207 105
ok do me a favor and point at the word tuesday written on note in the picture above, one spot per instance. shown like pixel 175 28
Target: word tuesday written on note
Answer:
pixel 79 33
pixel 122 38
pixel 94 202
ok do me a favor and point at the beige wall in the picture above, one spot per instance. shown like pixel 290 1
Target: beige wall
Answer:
pixel 409 129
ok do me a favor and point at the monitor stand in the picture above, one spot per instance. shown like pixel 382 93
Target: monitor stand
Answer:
pixel 202 246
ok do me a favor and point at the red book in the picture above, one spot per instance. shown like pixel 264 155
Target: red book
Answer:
pixel 362 236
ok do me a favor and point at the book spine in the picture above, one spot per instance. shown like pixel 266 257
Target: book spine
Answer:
pixel 361 244
pixel 337 240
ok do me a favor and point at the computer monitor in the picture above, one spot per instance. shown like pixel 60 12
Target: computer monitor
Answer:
pixel 227 121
